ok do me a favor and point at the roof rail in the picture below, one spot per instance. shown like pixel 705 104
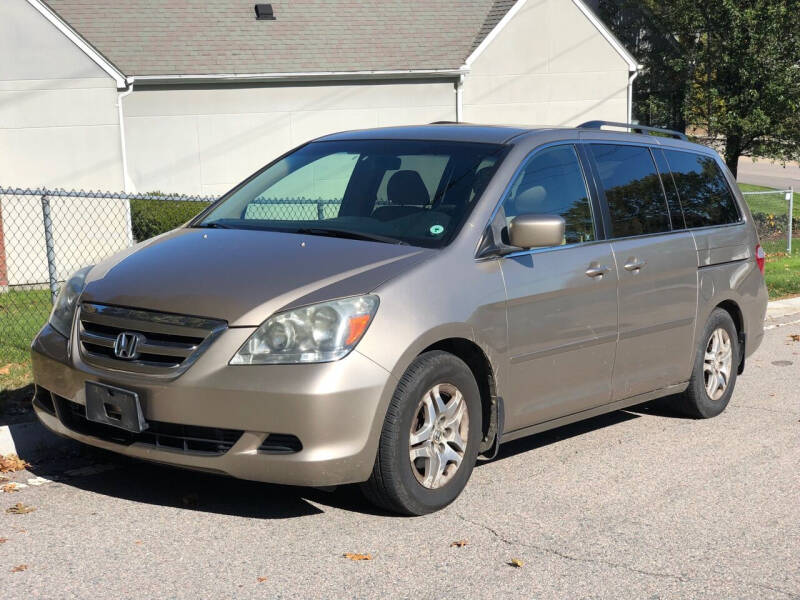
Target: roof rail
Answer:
pixel 635 128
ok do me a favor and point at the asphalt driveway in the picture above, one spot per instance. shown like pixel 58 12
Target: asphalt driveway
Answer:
pixel 635 504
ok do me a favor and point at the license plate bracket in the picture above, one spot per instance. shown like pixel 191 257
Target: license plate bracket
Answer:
pixel 114 406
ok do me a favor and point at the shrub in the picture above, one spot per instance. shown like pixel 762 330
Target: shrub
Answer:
pixel 150 218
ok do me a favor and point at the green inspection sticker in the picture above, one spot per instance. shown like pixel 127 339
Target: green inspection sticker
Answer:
pixel 437 229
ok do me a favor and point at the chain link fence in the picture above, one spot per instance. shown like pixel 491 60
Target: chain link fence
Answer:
pixel 777 220
pixel 46 235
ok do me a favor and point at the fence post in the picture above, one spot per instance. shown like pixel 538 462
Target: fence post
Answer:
pixel 51 252
pixel 790 198
pixel 320 210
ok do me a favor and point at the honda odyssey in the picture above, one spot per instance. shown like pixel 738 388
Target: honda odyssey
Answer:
pixel 384 306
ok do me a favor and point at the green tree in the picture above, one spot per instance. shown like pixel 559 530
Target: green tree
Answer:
pixel 728 69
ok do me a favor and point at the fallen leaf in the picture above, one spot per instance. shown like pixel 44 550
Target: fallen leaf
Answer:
pixel 516 563
pixel 138 542
pixel 10 463
pixel 353 556
pixel 19 568
pixel 20 509
pixel 10 487
pixel 5 369
pixel 261 579
pixel 458 544
pixel 795 337
pixel 3 540
pixel 2 479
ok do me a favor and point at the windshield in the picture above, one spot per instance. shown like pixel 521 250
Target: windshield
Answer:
pixel 394 191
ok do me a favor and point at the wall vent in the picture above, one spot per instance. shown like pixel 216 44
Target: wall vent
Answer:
pixel 264 12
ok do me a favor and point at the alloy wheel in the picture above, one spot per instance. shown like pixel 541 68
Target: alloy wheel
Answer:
pixel 717 363
pixel 438 437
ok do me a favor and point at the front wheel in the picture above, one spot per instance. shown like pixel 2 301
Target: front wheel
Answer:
pixel 715 368
pixel 430 437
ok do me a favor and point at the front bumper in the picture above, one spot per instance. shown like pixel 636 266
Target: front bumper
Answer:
pixel 336 410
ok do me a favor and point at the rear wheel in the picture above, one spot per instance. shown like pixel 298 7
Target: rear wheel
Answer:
pixel 715 368
pixel 430 437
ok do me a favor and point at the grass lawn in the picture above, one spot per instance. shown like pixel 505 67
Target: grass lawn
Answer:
pixel 773 204
pixel 782 274
pixel 22 314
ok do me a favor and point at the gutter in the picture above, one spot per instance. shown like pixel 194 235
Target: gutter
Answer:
pixel 302 76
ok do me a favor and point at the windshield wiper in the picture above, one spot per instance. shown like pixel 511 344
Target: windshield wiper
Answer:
pixel 214 225
pixel 352 235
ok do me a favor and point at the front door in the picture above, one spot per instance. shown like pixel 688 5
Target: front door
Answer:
pixel 562 301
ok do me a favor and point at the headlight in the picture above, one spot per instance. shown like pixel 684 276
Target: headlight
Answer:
pixel 318 333
pixel 66 302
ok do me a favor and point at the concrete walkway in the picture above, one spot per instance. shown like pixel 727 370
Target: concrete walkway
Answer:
pixel 769 174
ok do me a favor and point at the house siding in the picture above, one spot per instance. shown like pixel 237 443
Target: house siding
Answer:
pixel 548 66
pixel 58 118
pixel 205 139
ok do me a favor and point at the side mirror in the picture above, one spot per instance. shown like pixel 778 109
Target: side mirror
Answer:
pixel 536 231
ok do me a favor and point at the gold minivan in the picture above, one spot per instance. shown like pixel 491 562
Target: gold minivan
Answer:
pixel 450 287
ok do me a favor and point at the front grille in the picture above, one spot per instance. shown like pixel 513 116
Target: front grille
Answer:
pixel 190 439
pixel 166 343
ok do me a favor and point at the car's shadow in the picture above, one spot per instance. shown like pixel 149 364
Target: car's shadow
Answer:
pixel 113 475
pixel 656 408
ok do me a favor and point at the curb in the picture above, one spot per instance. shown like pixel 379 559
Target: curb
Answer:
pixel 29 440
pixel 32 439
pixel 778 309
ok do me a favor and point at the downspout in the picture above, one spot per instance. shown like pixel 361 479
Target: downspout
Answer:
pixel 460 98
pixel 126 179
pixel 127 183
pixel 631 78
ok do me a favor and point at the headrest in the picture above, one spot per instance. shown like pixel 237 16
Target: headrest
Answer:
pixel 407 187
pixel 530 200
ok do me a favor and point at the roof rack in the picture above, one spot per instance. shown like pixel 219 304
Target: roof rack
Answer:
pixel 635 128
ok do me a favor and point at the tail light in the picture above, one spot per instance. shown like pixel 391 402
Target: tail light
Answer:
pixel 760 258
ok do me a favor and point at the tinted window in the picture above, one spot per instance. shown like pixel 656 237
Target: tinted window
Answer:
pixel 673 201
pixel 633 189
pixel 704 193
pixel 552 183
pixel 415 192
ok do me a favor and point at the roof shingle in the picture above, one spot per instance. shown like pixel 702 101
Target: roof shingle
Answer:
pixel 204 37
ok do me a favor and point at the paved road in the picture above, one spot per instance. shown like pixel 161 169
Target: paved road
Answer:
pixel 636 504
pixel 769 174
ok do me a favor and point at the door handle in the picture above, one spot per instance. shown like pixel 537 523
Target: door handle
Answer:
pixel 634 264
pixel 597 271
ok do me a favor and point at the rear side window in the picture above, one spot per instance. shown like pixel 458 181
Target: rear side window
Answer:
pixel 552 183
pixel 704 192
pixel 633 189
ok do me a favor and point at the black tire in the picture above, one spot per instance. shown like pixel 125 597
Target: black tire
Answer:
pixel 695 402
pixel 393 484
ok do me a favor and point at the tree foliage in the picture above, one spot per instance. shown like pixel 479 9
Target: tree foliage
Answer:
pixel 728 70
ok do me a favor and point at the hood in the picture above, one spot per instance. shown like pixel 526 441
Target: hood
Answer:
pixel 243 276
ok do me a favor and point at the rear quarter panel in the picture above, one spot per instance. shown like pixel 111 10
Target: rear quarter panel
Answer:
pixel 728 272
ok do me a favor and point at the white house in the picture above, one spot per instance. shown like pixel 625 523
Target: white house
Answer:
pixel 191 96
